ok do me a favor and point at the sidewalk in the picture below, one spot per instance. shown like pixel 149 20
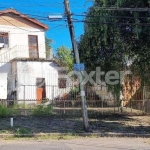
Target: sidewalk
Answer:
pixel 78 144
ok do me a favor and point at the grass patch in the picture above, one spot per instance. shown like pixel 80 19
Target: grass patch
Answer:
pixel 46 137
pixel 42 110
pixel 5 112
pixel 21 131
pixel 68 136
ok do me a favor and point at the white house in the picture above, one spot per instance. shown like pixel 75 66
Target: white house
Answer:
pixel 24 71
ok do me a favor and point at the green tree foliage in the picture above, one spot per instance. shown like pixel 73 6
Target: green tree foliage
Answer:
pixel 64 57
pixel 113 37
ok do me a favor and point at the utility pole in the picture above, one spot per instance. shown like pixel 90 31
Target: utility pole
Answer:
pixel 77 59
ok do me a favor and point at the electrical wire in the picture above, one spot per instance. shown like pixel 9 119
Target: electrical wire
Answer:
pixel 84 15
pixel 57 26
pixel 34 4
pixel 89 22
pixel 45 18
pixel 88 16
pixel 48 4
pixel 64 19
pixel 123 9
pixel 17 26
pixel 115 23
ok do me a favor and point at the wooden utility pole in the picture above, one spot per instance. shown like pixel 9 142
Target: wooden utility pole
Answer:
pixel 75 48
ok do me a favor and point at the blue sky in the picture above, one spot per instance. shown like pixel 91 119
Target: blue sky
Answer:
pixel 40 9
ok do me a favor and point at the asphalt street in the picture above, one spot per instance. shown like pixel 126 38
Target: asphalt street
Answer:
pixel 78 144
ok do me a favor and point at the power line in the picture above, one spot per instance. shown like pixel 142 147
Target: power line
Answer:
pixel 116 23
pixel 37 4
pixel 60 26
pixel 123 9
pixel 13 24
pixel 26 29
pixel 74 4
pixel 37 17
pixel 34 11
pixel 34 4
pixel 88 16
pixel 17 26
pixel 89 22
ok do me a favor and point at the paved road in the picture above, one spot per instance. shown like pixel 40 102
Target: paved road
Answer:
pixel 78 144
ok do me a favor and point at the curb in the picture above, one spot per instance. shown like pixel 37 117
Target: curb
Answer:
pixel 131 135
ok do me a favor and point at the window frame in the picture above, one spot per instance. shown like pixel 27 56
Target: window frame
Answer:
pixel 5 35
pixel 33 47
pixel 62 83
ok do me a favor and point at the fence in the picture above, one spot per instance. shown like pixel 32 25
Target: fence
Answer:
pixel 66 101
pixel 73 107
pixel 53 92
pixel 20 51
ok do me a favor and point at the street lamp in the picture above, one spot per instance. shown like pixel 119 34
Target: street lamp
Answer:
pixel 55 17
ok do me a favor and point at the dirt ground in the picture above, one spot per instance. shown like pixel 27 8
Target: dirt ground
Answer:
pixel 63 124
pixel 122 124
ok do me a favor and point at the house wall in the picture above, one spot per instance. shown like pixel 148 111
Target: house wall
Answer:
pixel 5 68
pixel 29 71
pixel 18 30
pixel 3 86
pixel 18 42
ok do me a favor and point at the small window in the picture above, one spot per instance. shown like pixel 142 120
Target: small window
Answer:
pixel 40 82
pixel 4 38
pixel 62 83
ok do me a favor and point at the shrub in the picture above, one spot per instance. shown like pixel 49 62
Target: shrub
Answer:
pixel 42 110
pixel 74 93
pixel 19 106
pixel 21 130
pixel 4 111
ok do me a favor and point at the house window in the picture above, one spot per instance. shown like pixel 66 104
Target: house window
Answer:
pixel 4 38
pixel 33 46
pixel 62 83
pixel 40 82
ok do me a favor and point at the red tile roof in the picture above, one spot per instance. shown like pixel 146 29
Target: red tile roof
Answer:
pixel 13 11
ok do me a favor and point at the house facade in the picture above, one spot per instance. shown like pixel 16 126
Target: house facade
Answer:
pixel 24 71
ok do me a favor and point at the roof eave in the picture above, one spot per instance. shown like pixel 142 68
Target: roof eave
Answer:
pixel 45 27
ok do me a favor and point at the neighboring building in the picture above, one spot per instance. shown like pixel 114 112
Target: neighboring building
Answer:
pixel 23 64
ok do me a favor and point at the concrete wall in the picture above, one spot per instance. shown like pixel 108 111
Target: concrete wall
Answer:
pixel 5 68
pixel 29 71
pixel 3 85
pixel 22 77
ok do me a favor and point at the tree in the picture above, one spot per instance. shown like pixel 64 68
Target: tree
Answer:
pixel 113 37
pixel 64 57
pixel 48 43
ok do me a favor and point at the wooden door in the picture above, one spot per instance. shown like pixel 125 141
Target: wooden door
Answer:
pixel 40 89
pixel 33 46
pixel 40 94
